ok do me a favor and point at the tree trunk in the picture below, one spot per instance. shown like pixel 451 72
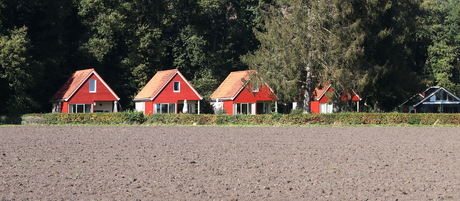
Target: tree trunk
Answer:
pixel 307 90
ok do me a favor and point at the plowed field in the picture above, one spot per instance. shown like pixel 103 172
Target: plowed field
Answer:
pixel 229 163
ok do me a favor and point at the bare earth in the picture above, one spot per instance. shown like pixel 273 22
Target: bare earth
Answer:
pixel 229 163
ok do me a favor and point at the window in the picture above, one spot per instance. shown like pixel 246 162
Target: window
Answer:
pixel 255 89
pixel 243 108
pixel 326 108
pixel 92 85
pixel 263 108
pixel 176 86
pixel 80 108
pixel 163 108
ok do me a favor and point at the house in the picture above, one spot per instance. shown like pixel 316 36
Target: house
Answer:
pixel 236 95
pixel 167 92
pixel 85 92
pixel 433 100
pixel 320 99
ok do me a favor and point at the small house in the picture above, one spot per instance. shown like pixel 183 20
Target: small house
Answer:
pixel 320 99
pixel 168 92
pixel 237 95
pixel 85 92
pixel 435 99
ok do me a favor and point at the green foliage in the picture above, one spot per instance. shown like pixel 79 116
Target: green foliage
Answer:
pixel 85 118
pixel 284 57
pixel 296 111
pixel 366 46
pixel 15 71
pixel 441 27
pixel 376 48
pixel 250 120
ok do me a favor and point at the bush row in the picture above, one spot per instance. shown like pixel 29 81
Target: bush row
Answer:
pixel 84 118
pixel 271 119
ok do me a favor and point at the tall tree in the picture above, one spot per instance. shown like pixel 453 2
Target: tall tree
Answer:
pixel 15 72
pixel 442 27
pixel 355 45
pixel 124 41
pixel 285 54
pixel 52 32
pixel 390 61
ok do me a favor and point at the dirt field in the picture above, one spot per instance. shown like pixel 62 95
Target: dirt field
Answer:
pixel 229 163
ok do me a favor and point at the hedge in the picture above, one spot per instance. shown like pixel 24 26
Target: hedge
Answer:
pixel 269 119
pixel 84 118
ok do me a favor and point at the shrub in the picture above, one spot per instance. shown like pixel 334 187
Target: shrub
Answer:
pixel 132 117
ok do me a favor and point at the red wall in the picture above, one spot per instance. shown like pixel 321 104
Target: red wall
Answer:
pixel 65 107
pixel 247 96
pixel 228 106
pixel 315 105
pixel 82 95
pixel 167 95
pixel 149 107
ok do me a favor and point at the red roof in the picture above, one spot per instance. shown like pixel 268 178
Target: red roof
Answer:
pixel 158 82
pixel 77 79
pixel 232 85
pixel 319 93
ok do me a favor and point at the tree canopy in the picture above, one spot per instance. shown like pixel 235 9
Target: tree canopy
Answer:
pixel 385 50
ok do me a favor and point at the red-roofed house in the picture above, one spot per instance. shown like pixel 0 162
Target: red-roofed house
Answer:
pixel 237 96
pixel 85 92
pixel 167 92
pixel 320 104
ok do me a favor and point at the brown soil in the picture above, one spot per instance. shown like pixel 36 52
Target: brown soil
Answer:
pixel 229 163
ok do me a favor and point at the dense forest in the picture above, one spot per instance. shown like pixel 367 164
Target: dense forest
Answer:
pixel 385 50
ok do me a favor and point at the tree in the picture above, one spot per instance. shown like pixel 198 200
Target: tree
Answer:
pixel 15 74
pixel 391 63
pixel 305 44
pixel 125 41
pixel 284 57
pixel 355 45
pixel 442 27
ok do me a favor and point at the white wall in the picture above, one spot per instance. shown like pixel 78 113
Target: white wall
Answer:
pixel 103 106
pixel 140 106
pixel 217 106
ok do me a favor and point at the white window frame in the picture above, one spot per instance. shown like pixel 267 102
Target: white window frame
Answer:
pixel 158 106
pixel 249 108
pixel 178 86
pixel 326 108
pixel 95 85
pixel 85 105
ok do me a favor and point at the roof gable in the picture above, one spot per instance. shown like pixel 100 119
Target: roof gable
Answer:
pixel 78 78
pixel 433 92
pixel 232 85
pixel 158 82
pixel 319 93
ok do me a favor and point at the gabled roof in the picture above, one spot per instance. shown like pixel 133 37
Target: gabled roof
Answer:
pixel 432 91
pixel 158 83
pixel 414 99
pixel 232 85
pixel 319 93
pixel 74 83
